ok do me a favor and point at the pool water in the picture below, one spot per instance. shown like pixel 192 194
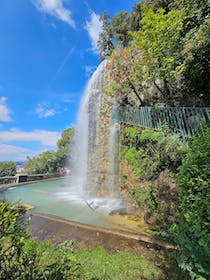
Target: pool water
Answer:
pixel 55 197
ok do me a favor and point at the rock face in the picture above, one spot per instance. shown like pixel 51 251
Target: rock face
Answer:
pixel 94 158
pixel 119 211
pixel 102 153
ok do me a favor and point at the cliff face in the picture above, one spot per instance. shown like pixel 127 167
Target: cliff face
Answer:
pixel 101 171
pixel 100 157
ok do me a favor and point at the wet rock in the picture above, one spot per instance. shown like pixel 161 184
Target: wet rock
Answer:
pixel 119 211
pixel 26 206
pixel 130 203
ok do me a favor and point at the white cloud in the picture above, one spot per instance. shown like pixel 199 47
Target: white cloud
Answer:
pixel 5 113
pixel 44 111
pixel 94 28
pixel 15 153
pixel 89 69
pixel 47 138
pixel 55 8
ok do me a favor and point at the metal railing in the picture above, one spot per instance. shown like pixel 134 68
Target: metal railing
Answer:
pixel 22 178
pixel 8 180
pixel 182 120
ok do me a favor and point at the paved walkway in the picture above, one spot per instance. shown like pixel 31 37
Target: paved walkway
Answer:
pixel 55 229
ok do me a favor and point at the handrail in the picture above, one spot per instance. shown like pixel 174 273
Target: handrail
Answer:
pixel 8 180
pixel 20 178
pixel 182 120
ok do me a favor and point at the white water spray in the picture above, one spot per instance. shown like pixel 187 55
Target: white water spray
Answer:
pixel 94 158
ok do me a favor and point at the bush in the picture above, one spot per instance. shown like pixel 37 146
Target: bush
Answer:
pixel 22 258
pixel 191 231
pixel 7 168
pixel 154 157
pixel 150 152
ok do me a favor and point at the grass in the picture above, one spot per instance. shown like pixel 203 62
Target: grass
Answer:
pixel 98 264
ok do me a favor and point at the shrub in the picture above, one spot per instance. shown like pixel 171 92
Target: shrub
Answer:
pixel 7 168
pixel 150 152
pixel 191 231
pixel 22 258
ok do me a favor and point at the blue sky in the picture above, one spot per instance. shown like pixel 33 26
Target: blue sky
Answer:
pixel 47 53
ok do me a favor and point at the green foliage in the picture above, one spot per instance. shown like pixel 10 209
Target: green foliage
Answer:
pixel 9 215
pixel 135 17
pixel 154 157
pixel 124 84
pixel 169 61
pixel 51 161
pixel 97 264
pixel 191 231
pixel 22 258
pixel 7 168
pixel 189 224
pixel 167 5
pixel 115 31
pixel 46 162
pixel 157 202
pixel 159 43
pixel 151 152
pixel 147 198
pixel 64 147
pixel 120 25
pixel 195 11
pixel 105 43
pixel 158 233
pixel 196 69
pixel 66 138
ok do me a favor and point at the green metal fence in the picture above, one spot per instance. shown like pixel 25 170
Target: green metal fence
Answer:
pixel 182 120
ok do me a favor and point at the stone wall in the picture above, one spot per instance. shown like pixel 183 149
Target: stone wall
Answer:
pixel 101 156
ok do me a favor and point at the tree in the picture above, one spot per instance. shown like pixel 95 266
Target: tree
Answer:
pixel 120 26
pixel 115 31
pixel 196 70
pixel 66 138
pixel 196 51
pixel 160 45
pixel 167 5
pixel 124 83
pixel 195 12
pixel 135 17
pixel 7 168
pixel 64 146
pixel 51 161
pixel 105 44
pixel 45 162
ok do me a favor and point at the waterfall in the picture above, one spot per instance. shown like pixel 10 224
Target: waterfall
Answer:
pixel 94 157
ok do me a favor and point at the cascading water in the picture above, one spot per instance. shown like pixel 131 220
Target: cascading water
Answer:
pixel 91 193
pixel 94 153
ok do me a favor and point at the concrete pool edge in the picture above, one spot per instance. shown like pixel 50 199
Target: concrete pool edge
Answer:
pixel 50 226
pixel 5 187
